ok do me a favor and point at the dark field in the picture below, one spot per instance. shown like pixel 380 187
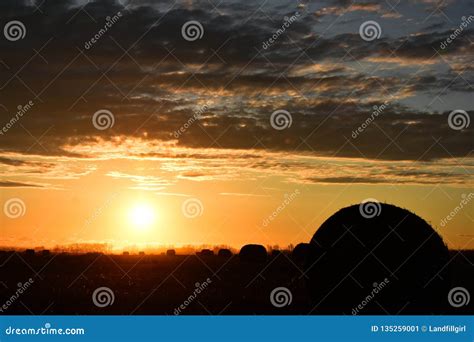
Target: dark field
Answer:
pixel 158 284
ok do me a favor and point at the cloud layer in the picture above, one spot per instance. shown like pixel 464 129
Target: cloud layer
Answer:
pixel 319 70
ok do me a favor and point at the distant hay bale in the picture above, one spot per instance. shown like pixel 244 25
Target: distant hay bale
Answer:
pixel 253 253
pixel 206 253
pixel 276 252
pixel 300 252
pixel 224 253
pixel 383 261
pixel 30 252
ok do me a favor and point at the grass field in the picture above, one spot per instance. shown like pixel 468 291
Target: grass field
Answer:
pixel 159 284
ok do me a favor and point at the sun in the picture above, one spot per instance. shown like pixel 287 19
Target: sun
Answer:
pixel 142 216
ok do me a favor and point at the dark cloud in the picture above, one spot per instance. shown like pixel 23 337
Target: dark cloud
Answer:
pixel 343 180
pixel 153 80
pixel 13 162
pixel 359 180
pixel 7 184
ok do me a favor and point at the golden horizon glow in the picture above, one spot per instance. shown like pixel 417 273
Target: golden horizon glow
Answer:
pixel 142 216
pixel 125 196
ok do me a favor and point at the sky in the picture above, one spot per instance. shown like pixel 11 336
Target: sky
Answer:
pixel 225 122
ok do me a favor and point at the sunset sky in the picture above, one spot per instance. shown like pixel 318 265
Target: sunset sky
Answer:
pixel 137 178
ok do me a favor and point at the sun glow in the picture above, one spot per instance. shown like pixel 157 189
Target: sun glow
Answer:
pixel 142 216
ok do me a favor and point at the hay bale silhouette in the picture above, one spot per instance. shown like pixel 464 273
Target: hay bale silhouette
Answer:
pixel 206 253
pixel 253 253
pixel 170 252
pixel 377 258
pixel 224 253
pixel 276 253
pixel 300 252
pixel 30 252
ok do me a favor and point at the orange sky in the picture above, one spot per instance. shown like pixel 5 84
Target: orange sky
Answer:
pixel 91 199
pixel 112 117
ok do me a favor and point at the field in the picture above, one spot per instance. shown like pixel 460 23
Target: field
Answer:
pixel 160 284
